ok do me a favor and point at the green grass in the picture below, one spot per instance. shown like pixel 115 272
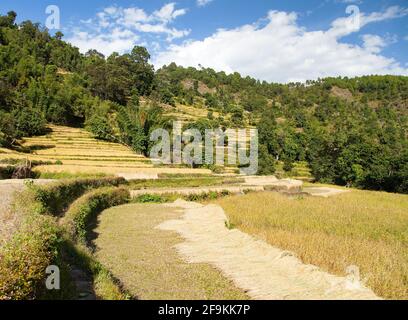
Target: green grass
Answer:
pixel 171 197
pixel 183 182
pixel 69 175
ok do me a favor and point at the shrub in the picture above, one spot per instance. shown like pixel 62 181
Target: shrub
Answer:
pixel 55 198
pixel 149 198
pixel 33 247
pixel 83 211
pixel 29 122
pixel 39 240
pixel 207 196
pixel 6 172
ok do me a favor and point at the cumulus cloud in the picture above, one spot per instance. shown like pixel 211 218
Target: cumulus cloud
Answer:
pixel 203 3
pixel 168 13
pixel 357 20
pixel 373 43
pixel 118 40
pixel 118 29
pixel 281 50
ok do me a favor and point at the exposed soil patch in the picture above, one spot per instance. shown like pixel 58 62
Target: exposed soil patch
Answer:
pixel 342 93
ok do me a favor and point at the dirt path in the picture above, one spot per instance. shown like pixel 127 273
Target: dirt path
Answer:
pixel 263 271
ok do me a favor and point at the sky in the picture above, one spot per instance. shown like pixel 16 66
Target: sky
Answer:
pixel 272 40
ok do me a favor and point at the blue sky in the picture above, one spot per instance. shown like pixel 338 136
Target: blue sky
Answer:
pixel 268 39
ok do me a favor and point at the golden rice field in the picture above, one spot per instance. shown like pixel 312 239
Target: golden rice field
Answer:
pixel 362 228
pixel 80 153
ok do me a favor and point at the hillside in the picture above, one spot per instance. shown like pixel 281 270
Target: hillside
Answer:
pixel 349 131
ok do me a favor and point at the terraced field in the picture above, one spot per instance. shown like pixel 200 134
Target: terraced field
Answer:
pixel 74 151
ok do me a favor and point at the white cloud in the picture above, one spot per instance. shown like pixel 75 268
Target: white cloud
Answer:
pixel 168 13
pixel 117 29
pixel 281 50
pixel 130 16
pixel 119 40
pixel 373 43
pixel 357 20
pixel 203 3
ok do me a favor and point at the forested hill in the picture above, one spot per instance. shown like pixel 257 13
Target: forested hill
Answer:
pixel 350 131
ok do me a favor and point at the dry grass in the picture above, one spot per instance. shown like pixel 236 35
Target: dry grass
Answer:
pixel 145 261
pixel 8 220
pixel 362 228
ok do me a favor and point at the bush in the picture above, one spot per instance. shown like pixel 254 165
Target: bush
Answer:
pixel 33 247
pixel 149 198
pixel 55 198
pixel 29 122
pixel 83 211
pixel 24 259
pixel 100 128
pixel 6 172
pixel 39 240
pixel 207 196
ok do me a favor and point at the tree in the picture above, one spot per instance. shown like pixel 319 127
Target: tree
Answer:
pixel 266 162
pixel 8 21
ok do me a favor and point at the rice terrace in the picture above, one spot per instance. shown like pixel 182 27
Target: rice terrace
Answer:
pixel 305 197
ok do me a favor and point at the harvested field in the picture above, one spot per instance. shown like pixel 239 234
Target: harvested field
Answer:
pixel 145 261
